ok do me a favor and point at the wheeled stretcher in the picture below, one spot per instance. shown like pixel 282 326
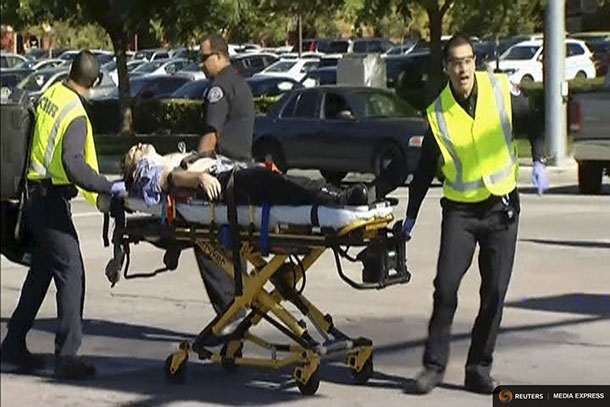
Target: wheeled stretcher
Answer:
pixel 281 244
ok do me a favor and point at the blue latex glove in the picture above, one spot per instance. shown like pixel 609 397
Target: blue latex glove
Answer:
pixel 407 227
pixel 118 190
pixel 539 178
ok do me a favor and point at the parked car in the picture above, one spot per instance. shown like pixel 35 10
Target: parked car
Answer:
pixel 339 46
pixel 289 68
pixel 313 45
pixel 322 76
pixel 111 67
pixel 338 129
pixel 11 60
pixel 192 90
pixel 371 45
pixel 151 54
pixel 152 87
pixel 37 53
pixel 413 67
pixel 160 67
pixel 42 63
pixel 523 61
pixel 271 86
pixel 409 46
pixel 36 83
pixel 192 71
pixel 589 124
pixel 69 55
pixel 250 63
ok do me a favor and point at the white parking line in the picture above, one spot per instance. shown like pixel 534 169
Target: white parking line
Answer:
pixel 85 214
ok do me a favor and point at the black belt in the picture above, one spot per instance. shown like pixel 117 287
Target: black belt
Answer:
pixel 45 187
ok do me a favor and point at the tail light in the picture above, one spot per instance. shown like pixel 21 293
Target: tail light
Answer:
pixel 575 115
pixel 416 141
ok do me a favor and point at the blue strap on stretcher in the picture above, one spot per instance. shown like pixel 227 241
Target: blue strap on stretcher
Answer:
pixel 265 229
pixel 225 237
pixel 163 209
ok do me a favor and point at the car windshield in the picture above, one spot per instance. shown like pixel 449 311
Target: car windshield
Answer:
pixel 149 67
pixel 35 81
pixel 380 105
pixel 281 66
pixel 520 53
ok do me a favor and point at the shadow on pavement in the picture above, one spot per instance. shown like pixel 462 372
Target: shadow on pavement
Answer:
pixel 570 243
pixel 576 303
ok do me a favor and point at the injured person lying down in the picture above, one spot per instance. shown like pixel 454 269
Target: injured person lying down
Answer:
pixel 149 174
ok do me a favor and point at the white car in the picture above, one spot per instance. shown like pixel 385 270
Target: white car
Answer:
pixel 192 71
pixel 289 68
pixel 523 61
pixel 11 60
pixel 161 67
pixel 114 72
pixel 43 64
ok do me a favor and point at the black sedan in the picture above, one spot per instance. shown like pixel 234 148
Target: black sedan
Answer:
pixel 339 129
pixel 271 86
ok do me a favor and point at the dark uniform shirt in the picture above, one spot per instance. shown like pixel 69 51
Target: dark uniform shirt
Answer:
pixel 229 111
pixel 525 120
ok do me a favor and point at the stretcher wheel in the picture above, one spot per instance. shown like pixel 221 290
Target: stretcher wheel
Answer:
pixel 311 387
pixel 365 374
pixel 228 365
pixel 177 377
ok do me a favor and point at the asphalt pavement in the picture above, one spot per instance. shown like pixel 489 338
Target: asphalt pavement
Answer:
pixel 556 326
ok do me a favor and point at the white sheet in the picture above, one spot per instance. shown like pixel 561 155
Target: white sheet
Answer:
pixel 328 217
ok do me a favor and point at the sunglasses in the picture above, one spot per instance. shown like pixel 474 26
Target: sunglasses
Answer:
pixel 204 57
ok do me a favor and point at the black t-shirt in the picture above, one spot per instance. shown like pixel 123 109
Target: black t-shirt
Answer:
pixel 229 111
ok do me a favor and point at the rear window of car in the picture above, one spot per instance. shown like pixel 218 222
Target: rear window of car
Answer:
pixel 521 53
pixel 360 46
pixel 338 47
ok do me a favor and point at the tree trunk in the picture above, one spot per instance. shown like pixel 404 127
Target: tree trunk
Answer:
pixel 436 65
pixel 119 42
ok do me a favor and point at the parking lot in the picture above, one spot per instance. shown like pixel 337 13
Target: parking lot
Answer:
pixel 556 326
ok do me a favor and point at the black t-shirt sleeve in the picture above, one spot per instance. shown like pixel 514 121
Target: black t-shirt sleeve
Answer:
pixel 216 109
pixel 73 159
pixel 425 173
pixel 527 120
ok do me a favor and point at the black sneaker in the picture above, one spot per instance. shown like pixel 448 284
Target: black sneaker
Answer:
pixel 355 195
pixel 21 357
pixel 483 384
pixel 74 368
pixel 427 380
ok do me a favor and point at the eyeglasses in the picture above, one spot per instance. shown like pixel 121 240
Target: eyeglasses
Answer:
pixel 462 61
pixel 204 57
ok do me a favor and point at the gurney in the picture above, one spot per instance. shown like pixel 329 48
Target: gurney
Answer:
pixel 281 243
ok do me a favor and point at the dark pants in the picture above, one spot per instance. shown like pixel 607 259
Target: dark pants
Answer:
pixel 55 255
pixel 463 226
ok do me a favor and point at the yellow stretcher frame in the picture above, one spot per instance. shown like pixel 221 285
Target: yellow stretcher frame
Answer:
pixel 303 352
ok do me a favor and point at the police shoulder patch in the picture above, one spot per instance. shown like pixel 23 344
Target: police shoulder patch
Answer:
pixel 215 94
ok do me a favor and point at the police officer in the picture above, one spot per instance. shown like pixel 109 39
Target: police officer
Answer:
pixel 470 126
pixel 229 122
pixel 62 159
pixel 229 105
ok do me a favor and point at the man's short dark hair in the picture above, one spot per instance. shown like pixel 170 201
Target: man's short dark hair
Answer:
pixel 85 69
pixel 218 44
pixel 456 41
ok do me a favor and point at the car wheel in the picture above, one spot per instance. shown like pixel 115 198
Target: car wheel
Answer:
pixel 333 177
pixel 388 156
pixel 589 177
pixel 269 150
pixel 581 75
pixel 527 79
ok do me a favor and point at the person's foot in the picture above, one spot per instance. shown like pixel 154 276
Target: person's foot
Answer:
pixel 74 368
pixel 427 380
pixel 21 357
pixel 483 384
pixel 355 195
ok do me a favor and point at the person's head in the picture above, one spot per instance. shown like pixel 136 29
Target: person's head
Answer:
pixel 84 72
pixel 459 63
pixel 213 55
pixel 134 155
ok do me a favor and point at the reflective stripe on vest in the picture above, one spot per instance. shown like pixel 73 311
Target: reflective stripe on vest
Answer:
pixel 459 184
pixel 53 136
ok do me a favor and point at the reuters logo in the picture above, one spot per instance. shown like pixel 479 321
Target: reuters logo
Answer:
pixel 505 396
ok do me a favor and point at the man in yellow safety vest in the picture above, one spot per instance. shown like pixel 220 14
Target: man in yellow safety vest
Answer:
pixel 471 127
pixel 62 161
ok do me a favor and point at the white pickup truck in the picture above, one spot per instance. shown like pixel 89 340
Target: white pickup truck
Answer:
pixel 590 126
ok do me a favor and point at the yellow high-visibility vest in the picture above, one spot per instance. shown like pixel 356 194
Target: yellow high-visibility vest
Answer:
pixel 56 109
pixel 479 155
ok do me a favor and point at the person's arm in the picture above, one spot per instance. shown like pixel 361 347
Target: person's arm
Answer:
pixel 216 111
pixel 73 159
pixel 425 173
pixel 528 121
pixel 195 179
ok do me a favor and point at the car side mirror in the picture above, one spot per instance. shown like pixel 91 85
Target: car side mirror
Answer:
pixel 346 115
